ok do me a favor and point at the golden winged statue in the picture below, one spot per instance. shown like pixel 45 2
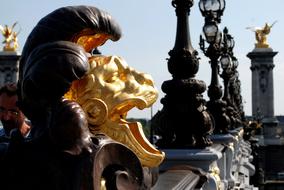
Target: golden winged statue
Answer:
pixel 10 37
pixel 261 35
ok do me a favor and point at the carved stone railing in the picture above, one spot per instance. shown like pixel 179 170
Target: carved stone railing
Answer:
pixel 201 163
pixel 242 168
pixel 225 165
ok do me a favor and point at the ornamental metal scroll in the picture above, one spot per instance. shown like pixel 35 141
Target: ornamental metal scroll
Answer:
pixel 77 103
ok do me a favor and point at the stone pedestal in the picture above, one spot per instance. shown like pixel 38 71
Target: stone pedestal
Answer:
pixel 9 66
pixel 262 87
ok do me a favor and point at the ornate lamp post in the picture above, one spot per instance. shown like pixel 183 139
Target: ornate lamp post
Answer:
pixel 183 122
pixel 236 97
pixel 212 10
pixel 229 64
pixel 226 62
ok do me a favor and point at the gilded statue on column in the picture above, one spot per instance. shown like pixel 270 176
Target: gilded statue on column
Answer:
pixel 10 37
pixel 261 35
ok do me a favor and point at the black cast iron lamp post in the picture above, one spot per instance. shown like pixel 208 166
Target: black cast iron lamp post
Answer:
pixel 229 64
pixel 184 121
pixel 227 51
pixel 212 10
pixel 227 61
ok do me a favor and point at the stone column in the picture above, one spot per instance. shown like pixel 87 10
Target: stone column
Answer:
pixel 262 85
pixel 9 66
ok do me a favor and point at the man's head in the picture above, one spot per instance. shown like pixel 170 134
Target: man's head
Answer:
pixel 10 115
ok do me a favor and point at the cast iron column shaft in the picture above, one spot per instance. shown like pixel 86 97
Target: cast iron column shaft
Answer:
pixel 183 39
pixel 183 122
pixel 216 106
pixel 214 91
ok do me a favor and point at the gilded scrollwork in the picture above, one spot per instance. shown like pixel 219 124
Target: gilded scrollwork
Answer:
pixel 109 90
pixel 89 139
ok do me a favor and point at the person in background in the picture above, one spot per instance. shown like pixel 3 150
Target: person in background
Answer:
pixel 11 117
pixel 13 132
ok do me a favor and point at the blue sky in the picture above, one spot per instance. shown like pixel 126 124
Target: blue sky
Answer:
pixel 149 28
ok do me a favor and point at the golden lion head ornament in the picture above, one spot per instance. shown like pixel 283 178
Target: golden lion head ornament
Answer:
pixel 109 90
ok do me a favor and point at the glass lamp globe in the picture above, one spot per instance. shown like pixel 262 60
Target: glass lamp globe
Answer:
pixel 210 31
pixel 225 62
pixel 212 6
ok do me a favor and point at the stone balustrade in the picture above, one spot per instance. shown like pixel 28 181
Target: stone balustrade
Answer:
pixel 226 165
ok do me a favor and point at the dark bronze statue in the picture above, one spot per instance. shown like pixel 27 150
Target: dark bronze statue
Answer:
pixel 62 153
